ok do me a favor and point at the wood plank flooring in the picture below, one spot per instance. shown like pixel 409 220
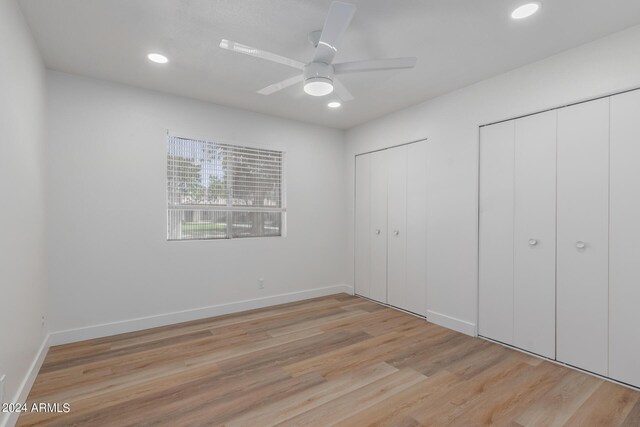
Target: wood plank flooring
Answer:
pixel 337 360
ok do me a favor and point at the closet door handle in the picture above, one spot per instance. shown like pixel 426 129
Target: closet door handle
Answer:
pixel 377 231
pixel 533 242
pixel 580 244
pixel 396 232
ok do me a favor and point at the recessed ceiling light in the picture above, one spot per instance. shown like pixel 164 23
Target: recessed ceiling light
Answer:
pixel 525 10
pixel 333 104
pixel 158 58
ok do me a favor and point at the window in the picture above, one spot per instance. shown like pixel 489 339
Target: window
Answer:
pixel 223 191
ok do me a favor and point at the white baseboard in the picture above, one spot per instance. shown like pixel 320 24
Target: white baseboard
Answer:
pixel 141 323
pixel 452 323
pixel 21 395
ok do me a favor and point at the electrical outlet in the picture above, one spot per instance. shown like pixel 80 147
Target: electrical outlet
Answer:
pixel 43 320
pixel 261 283
pixel 2 381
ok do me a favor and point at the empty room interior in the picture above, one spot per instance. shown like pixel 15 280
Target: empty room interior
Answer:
pixel 320 213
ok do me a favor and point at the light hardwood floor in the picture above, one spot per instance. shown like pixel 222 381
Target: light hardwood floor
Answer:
pixel 337 360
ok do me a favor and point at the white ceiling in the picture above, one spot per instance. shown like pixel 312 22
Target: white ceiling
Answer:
pixel 457 42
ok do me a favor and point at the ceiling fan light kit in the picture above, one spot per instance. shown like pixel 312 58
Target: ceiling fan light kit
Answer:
pixel 318 76
pixel 318 79
pixel 318 86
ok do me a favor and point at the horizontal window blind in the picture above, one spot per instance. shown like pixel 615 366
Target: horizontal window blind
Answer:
pixel 223 191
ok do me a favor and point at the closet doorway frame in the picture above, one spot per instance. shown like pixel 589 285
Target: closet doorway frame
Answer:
pixel 558 107
pixel 354 226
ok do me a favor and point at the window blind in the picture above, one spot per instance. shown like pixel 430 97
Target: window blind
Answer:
pixel 223 191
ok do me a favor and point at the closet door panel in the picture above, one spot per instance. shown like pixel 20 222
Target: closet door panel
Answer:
pixel 534 296
pixel 416 235
pixel 496 232
pixel 583 223
pixel 363 226
pixel 397 290
pixel 378 231
pixel 624 278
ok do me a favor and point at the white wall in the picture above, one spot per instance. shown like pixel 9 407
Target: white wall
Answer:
pixel 109 259
pixel 450 122
pixel 22 240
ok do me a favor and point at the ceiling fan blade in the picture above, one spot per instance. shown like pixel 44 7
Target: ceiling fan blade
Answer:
pixel 280 85
pixel 338 19
pixel 258 53
pixel 374 65
pixel 341 91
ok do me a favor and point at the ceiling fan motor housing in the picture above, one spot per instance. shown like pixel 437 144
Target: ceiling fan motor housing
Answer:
pixel 318 71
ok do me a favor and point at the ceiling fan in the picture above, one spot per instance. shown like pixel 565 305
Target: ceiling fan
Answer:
pixel 318 76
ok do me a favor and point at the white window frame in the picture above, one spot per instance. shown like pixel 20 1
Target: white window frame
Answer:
pixel 229 208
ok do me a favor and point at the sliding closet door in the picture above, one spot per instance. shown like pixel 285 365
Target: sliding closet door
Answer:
pixel 534 298
pixel 416 295
pixel 398 292
pixel 496 231
pixel 583 223
pixel 378 231
pixel 624 279
pixel 363 226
